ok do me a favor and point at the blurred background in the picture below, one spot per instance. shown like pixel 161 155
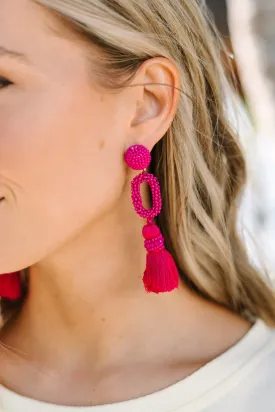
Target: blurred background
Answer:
pixel 248 31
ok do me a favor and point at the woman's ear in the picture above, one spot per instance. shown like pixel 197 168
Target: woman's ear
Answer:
pixel 156 102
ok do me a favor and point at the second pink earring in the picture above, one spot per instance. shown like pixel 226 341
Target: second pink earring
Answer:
pixel 161 273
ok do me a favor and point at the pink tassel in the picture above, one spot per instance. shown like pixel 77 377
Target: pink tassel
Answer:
pixel 10 285
pixel 161 274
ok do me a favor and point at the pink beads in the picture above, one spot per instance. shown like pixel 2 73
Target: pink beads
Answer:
pixel 156 196
pixel 154 245
pixel 138 157
pixel 154 241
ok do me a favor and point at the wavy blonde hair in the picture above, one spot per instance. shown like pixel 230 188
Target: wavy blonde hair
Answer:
pixel 198 162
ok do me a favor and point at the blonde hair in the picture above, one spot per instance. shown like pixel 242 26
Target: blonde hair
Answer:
pixel 198 162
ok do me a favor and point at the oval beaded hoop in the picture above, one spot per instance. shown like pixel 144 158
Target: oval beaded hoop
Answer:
pixel 152 181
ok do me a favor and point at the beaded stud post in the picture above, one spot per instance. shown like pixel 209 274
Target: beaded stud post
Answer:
pixel 161 274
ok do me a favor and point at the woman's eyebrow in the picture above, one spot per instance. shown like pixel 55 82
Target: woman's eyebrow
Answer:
pixel 13 54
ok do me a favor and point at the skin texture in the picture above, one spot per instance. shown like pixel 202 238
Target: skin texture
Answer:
pixel 87 333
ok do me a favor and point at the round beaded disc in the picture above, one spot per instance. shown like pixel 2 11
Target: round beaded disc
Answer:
pixel 138 157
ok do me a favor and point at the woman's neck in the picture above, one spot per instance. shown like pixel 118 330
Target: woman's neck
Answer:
pixel 87 314
pixel 89 295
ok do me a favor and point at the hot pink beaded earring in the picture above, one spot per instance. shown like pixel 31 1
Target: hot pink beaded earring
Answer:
pixel 161 274
pixel 10 285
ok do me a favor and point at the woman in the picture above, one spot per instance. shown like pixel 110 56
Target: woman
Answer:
pixel 88 90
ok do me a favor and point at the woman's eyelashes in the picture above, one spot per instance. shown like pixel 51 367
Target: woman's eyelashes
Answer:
pixel 4 82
